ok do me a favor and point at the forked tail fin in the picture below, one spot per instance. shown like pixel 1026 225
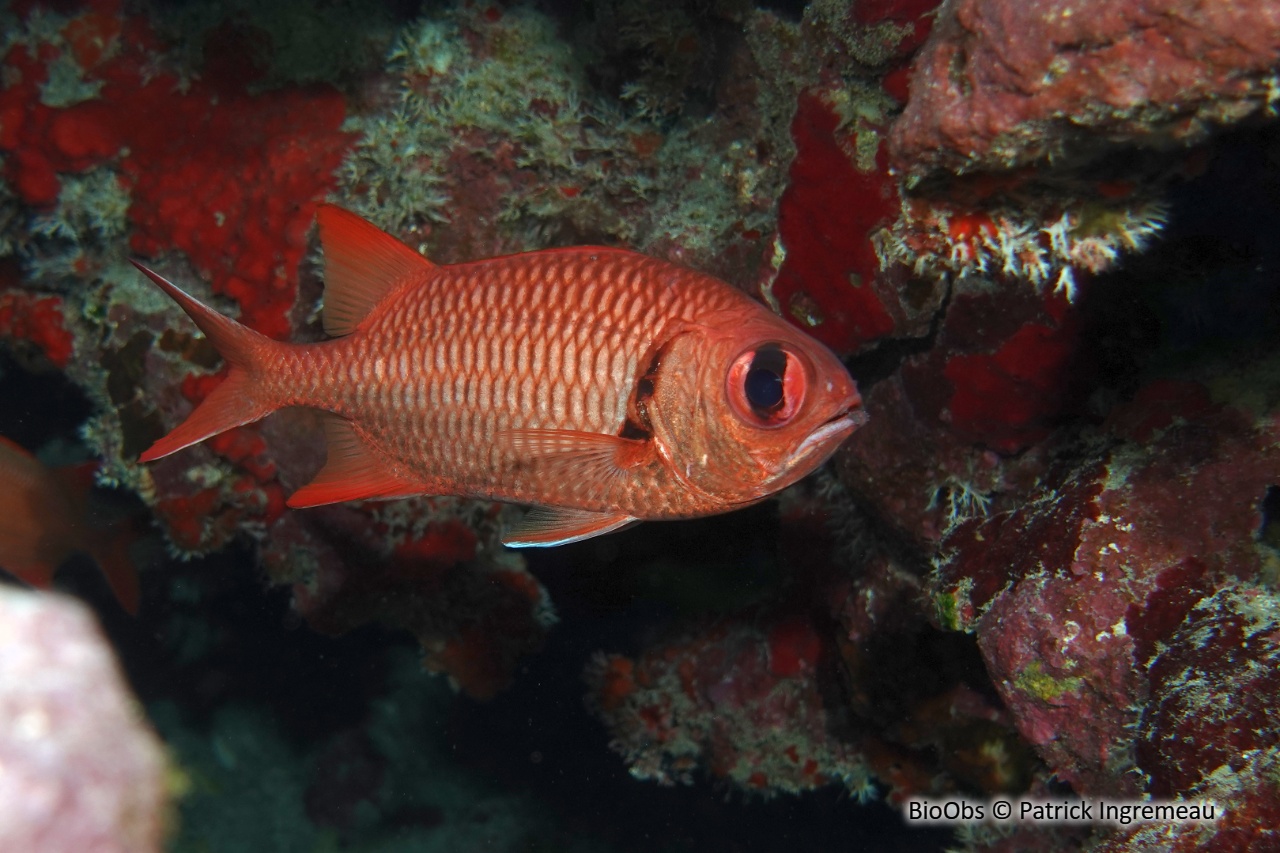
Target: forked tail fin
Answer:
pixel 235 402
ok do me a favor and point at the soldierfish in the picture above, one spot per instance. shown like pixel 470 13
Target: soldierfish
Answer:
pixel 599 385
pixel 43 521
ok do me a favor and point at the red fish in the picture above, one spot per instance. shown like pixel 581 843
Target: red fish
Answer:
pixel 43 521
pixel 601 386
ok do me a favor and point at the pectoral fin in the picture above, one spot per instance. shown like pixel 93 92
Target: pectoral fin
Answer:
pixel 576 455
pixel 544 527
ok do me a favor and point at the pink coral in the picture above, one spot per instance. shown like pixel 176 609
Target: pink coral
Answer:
pixel 78 769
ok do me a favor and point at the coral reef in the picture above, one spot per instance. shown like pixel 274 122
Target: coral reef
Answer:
pixel 741 702
pixel 1122 611
pixel 1045 566
pixel 79 769
pixel 488 137
pixel 222 178
pixel 1084 530
pixel 843 683
pixel 224 189
pixel 432 566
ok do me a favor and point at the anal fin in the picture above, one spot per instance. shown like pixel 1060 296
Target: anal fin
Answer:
pixel 110 550
pixel 545 527
pixel 351 472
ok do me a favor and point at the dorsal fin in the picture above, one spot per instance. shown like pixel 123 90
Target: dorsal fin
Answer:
pixel 362 264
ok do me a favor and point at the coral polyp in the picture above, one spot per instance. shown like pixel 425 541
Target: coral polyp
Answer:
pixel 1045 247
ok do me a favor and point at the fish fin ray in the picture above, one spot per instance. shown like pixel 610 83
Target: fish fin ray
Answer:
pixel 229 405
pixel 111 553
pixel 351 471
pixel 235 342
pixel 582 456
pixel 545 527
pixel 20 470
pixel 233 403
pixel 362 265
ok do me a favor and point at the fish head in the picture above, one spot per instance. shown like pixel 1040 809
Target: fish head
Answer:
pixel 745 404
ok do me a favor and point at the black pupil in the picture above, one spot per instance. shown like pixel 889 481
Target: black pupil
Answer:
pixel 763 385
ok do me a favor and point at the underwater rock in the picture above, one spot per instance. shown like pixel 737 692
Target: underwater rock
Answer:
pixel 741 702
pixel 1123 611
pixel 79 768
pixel 959 429
pixel 843 683
pixel 433 566
pixel 1007 83
pixel 925 717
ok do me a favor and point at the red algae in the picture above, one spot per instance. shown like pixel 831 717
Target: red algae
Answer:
pixel 794 647
pixel 825 221
pixel 220 177
pixel 37 319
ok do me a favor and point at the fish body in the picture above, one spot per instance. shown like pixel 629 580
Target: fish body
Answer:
pixel 44 520
pixel 600 385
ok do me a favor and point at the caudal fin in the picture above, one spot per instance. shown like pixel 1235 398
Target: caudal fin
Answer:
pixel 236 401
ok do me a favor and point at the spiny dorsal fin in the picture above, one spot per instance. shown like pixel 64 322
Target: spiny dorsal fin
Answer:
pixel 362 264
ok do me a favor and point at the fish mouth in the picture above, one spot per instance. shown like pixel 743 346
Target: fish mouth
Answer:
pixel 834 430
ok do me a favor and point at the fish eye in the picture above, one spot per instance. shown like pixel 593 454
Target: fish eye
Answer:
pixel 763 383
pixel 766 385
